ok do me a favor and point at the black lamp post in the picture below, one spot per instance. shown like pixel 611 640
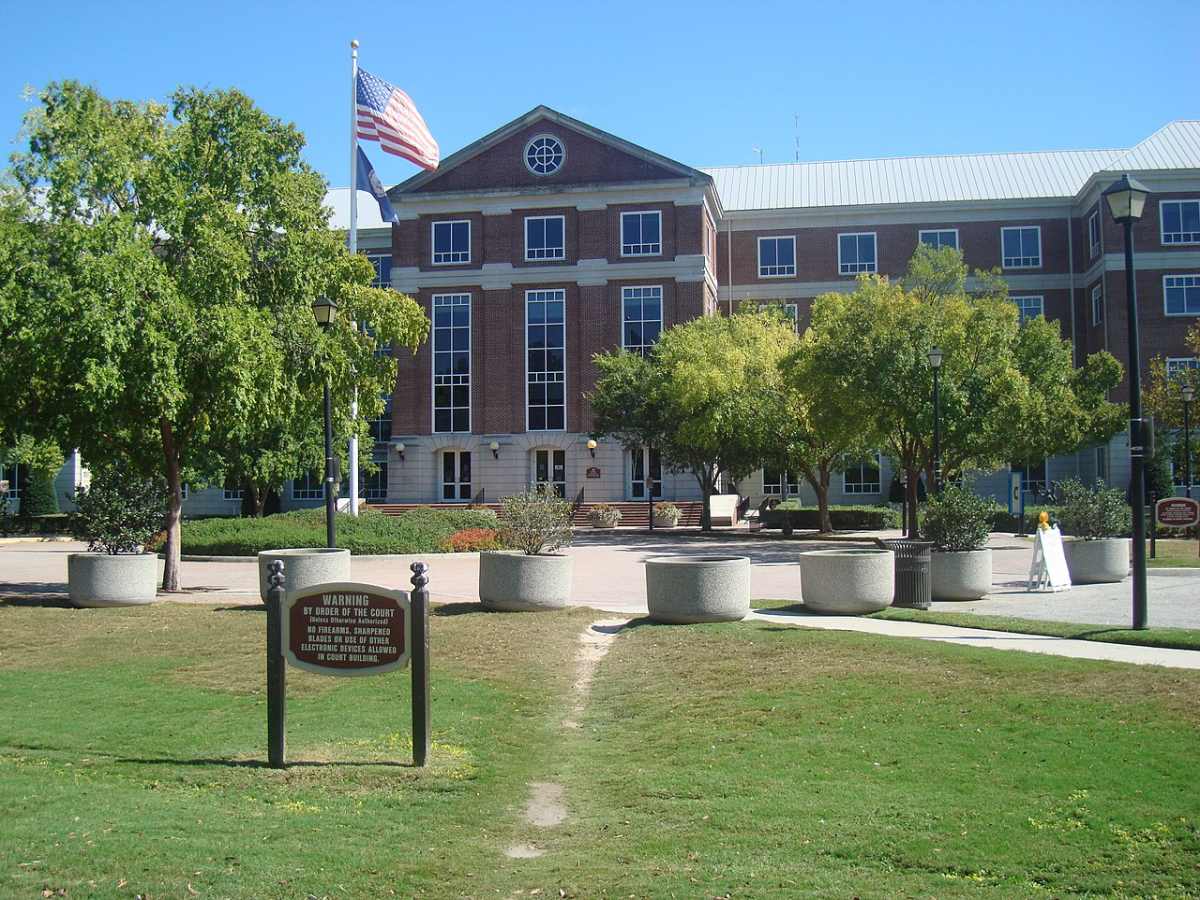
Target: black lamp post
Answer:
pixel 324 311
pixel 1189 394
pixel 935 363
pixel 1126 199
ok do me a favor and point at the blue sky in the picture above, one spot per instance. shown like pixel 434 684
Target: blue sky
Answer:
pixel 703 82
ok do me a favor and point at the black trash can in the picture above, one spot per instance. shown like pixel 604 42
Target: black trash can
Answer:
pixel 912 573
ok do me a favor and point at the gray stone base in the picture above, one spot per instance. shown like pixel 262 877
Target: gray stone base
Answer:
pixel 304 567
pixel 847 582
pixel 1105 561
pixel 127 579
pixel 965 575
pixel 511 581
pixel 687 589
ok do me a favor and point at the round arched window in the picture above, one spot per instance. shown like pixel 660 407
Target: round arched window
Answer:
pixel 544 155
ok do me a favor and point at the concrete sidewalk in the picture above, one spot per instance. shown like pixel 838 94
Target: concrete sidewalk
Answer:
pixel 991 640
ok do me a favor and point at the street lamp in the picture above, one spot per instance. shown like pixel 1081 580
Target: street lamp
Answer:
pixel 935 363
pixel 1126 199
pixel 1189 394
pixel 325 311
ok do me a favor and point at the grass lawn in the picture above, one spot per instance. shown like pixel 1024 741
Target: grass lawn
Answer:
pixel 1173 553
pixel 745 760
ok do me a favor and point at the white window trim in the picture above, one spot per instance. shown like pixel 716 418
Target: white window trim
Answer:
pixel 640 212
pixel 365 481
pixel 1098 304
pixel 441 474
pixel 777 238
pixel 787 306
pixel 776 488
pixel 859 493
pixel 533 140
pixel 1093 245
pixel 1038 297
pixel 433 252
pixel 639 287
pixel 562 251
pixel 1181 362
pixel 1183 314
pixel 385 279
pixel 231 495
pixel 525 364
pixel 320 492
pixel 549 449
pixel 1162 225
pixel 924 231
pixel 1040 255
pixel 857 234
pixel 433 367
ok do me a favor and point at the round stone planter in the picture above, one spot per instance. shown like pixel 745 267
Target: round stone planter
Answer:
pixel 847 582
pixel 99 579
pixel 960 575
pixel 511 581
pixel 668 522
pixel 303 567
pixel 603 523
pixel 1104 561
pixel 686 589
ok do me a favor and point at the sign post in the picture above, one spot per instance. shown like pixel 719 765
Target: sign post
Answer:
pixel 348 629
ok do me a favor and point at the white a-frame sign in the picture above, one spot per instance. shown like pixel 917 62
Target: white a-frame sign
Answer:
pixel 1048 571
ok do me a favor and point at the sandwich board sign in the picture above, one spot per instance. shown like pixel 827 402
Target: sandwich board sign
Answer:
pixel 1048 571
pixel 1177 512
pixel 346 628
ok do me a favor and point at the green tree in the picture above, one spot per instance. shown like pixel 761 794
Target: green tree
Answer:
pixel 1162 397
pixel 710 397
pixel 176 253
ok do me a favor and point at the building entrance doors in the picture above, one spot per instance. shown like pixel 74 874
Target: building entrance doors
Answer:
pixel 645 473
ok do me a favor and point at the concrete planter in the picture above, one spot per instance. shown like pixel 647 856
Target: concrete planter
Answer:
pixel 1104 561
pixel 847 582
pixel 303 567
pixel 511 581
pixel 961 575
pixel 665 521
pixel 686 589
pixel 127 579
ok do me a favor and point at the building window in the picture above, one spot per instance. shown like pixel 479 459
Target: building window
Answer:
pixel 1033 477
pixel 791 311
pixel 544 155
pixel 1094 232
pixel 382 263
pixel 780 484
pixel 862 477
pixel 1097 304
pixel 776 257
pixel 642 459
pixel 545 238
pixel 546 371
pixel 184 490
pixel 856 253
pixel 1180 221
pixel 642 318
pixel 641 233
pixel 308 487
pixel 550 467
pixel 231 493
pixel 451 363
pixel 939 238
pixel 1022 247
pixel 381 425
pixel 1179 366
pixel 456 475
pixel 1027 308
pixel 1102 463
pixel 451 242
pixel 374 487
pixel 12 474
pixel 1181 295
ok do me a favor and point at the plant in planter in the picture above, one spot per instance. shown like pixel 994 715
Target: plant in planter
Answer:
pixel 666 515
pixel 532 576
pixel 117 514
pixel 956 521
pixel 1099 520
pixel 604 515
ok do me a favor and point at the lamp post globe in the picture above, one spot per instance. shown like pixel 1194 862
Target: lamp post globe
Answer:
pixel 1126 199
pixel 325 311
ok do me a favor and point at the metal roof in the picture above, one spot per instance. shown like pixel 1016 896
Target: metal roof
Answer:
pixel 338 199
pixel 947 179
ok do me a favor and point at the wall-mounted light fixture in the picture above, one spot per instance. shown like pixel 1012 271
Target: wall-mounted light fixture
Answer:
pixel 400 448
pixel 495 448
pixel 591 445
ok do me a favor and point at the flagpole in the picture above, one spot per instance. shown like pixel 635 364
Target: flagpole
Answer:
pixel 354 249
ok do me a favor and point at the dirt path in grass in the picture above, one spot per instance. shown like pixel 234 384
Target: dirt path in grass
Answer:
pixel 547 806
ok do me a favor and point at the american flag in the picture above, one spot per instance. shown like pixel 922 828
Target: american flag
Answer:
pixel 387 114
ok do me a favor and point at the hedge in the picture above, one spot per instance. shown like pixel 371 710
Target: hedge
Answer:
pixel 414 531
pixel 843 518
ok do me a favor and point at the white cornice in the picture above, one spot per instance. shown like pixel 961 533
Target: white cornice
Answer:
pixel 501 276
pixel 897 214
pixel 586 197
pixel 793 289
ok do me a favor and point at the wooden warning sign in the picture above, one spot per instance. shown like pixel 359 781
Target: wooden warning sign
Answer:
pixel 344 628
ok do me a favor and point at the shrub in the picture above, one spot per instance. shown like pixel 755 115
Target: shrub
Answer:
pixel 846 518
pixel 536 521
pixel 1093 513
pixel 39 498
pixel 118 513
pixel 957 520
pixel 471 540
pixel 604 514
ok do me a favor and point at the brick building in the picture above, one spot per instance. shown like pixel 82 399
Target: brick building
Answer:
pixel 549 240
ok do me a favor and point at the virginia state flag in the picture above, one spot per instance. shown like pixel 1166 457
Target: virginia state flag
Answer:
pixel 368 181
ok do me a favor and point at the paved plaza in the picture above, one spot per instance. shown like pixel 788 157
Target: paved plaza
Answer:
pixel 609 575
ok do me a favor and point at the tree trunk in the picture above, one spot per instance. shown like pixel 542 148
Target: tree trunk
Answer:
pixel 174 508
pixel 914 475
pixel 707 484
pixel 824 520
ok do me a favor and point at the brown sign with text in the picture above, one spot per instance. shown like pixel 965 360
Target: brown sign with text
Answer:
pixel 347 629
